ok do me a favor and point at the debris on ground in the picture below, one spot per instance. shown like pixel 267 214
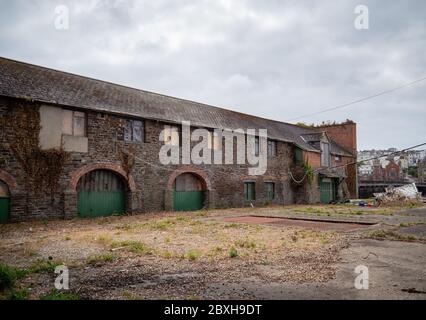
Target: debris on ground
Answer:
pixel 406 193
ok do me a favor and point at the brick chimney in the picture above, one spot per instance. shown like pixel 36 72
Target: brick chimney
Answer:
pixel 344 134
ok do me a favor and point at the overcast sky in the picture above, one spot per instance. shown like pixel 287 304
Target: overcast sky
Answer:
pixel 276 59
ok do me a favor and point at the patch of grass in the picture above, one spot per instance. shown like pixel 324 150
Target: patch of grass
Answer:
pixel 162 225
pixel 407 224
pixel 233 252
pixel 192 255
pixel 104 239
pixel 18 294
pixel 101 259
pixel 165 254
pixel 248 244
pixel 136 247
pixel 9 275
pixel 232 225
pixel 125 227
pixel 389 234
pixel 310 210
pixel 44 266
pixel 67 238
pixel 127 295
pixel 201 214
pixel 183 218
pixel 58 295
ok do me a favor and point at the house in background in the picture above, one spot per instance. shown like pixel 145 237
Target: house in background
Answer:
pixel 386 171
pixel 74 146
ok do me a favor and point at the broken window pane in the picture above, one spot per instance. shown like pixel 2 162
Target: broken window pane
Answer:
pixel 128 131
pixel 137 131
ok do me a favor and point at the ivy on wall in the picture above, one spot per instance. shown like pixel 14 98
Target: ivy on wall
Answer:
pixel 42 168
pixel 302 174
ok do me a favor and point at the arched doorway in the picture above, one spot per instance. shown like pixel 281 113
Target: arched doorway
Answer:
pixel 4 202
pixel 188 192
pixel 100 193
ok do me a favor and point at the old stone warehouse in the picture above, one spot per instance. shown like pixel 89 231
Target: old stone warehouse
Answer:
pixel 74 146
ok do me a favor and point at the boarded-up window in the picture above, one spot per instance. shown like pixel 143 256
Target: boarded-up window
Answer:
pixel 79 124
pixel 73 123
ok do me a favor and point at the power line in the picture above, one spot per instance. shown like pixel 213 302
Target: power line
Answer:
pixel 378 157
pixel 359 100
pixel 356 162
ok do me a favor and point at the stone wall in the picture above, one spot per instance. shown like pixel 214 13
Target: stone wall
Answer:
pixel 148 181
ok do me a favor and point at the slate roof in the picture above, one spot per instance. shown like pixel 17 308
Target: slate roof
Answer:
pixel 18 79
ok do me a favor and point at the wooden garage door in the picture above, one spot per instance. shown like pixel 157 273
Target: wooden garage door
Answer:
pixel 4 202
pixel 188 194
pixel 100 193
pixel 327 190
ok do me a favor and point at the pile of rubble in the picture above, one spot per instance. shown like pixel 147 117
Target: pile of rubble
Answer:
pixel 406 193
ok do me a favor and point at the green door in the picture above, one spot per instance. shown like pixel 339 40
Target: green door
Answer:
pixel 4 209
pixel 327 190
pixel 4 202
pixel 100 193
pixel 188 193
pixel 188 200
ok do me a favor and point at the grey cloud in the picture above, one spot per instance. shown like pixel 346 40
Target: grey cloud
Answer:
pixel 277 59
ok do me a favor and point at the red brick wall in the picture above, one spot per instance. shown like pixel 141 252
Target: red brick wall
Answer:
pixel 312 158
pixel 344 134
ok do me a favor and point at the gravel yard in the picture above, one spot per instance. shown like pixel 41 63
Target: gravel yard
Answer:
pixel 171 256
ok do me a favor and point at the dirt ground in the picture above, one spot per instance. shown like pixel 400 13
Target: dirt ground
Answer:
pixel 214 254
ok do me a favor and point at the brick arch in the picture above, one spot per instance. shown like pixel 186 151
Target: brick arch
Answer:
pixel 77 174
pixel 189 169
pixel 8 179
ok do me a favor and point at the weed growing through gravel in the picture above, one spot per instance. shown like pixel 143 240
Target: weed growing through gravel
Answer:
pixel 101 259
pixel 233 253
pixel 390 234
pixel 9 275
pixel 192 255
pixel 135 247
pixel 57 295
